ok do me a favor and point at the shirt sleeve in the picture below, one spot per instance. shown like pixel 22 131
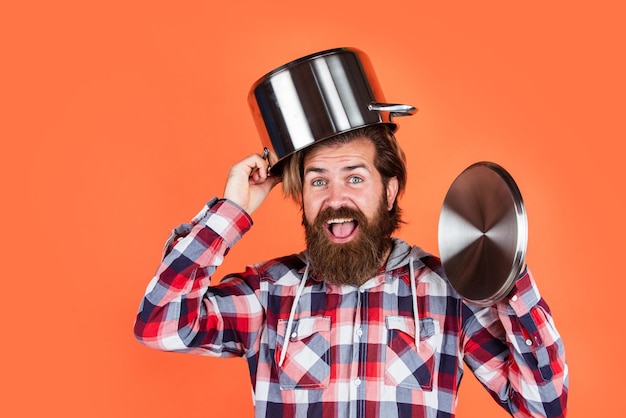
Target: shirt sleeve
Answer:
pixel 181 311
pixel 516 352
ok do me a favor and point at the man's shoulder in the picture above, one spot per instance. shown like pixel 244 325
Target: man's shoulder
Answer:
pixel 402 252
pixel 292 265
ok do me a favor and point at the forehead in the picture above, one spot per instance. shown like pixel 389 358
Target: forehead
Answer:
pixel 359 150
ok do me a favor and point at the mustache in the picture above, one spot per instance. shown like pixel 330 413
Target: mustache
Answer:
pixel 343 212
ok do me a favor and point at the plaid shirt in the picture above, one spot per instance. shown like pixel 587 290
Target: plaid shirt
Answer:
pixel 350 351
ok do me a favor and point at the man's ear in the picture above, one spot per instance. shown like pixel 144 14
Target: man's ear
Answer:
pixel 392 192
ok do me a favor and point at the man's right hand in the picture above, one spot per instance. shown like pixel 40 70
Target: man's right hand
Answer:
pixel 248 183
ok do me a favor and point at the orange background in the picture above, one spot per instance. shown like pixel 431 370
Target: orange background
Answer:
pixel 120 119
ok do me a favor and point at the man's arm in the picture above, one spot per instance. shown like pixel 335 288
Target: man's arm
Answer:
pixel 181 311
pixel 516 352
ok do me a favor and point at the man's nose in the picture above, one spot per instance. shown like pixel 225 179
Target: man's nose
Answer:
pixel 337 195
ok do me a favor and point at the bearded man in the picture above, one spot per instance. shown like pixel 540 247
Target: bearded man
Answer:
pixel 360 324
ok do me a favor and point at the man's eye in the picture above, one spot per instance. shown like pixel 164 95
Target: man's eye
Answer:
pixel 318 182
pixel 355 179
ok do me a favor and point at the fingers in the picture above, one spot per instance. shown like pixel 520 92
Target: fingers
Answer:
pixel 250 165
pixel 249 182
pixel 269 181
pixel 259 174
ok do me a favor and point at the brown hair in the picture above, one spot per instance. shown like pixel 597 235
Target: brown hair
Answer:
pixel 389 160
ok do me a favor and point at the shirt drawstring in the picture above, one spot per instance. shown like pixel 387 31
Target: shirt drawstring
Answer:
pixel 292 314
pixel 416 316
pixel 283 353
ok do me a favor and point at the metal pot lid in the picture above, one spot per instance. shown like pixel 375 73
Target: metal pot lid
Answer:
pixel 483 233
pixel 317 97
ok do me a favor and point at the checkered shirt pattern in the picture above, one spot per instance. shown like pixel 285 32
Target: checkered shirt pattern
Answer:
pixel 351 351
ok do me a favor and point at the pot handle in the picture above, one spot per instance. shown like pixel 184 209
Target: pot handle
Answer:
pixel 394 109
pixel 266 157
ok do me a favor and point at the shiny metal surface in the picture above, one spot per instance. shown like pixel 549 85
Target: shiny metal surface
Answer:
pixel 316 97
pixel 483 233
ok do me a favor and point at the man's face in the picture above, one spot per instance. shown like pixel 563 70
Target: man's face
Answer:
pixel 344 175
pixel 346 211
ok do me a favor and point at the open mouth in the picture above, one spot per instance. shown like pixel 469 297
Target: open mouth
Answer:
pixel 341 229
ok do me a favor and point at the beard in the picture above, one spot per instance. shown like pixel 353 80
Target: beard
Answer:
pixel 356 261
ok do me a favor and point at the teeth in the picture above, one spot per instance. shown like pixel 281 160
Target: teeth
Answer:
pixel 339 220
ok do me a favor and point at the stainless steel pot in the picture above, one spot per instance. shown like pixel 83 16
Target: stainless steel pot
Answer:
pixel 317 97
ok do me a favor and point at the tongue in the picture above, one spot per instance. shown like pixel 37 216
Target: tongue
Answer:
pixel 342 230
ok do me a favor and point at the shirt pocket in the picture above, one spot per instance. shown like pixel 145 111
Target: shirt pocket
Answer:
pixel 307 362
pixel 405 366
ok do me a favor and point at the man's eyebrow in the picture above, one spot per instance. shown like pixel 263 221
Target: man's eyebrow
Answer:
pixel 314 170
pixel 324 170
pixel 354 167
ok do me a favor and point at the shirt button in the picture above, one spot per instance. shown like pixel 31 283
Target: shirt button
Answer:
pixel 294 334
pixel 362 290
pixel 514 298
pixel 357 382
pixel 359 332
pixel 529 342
